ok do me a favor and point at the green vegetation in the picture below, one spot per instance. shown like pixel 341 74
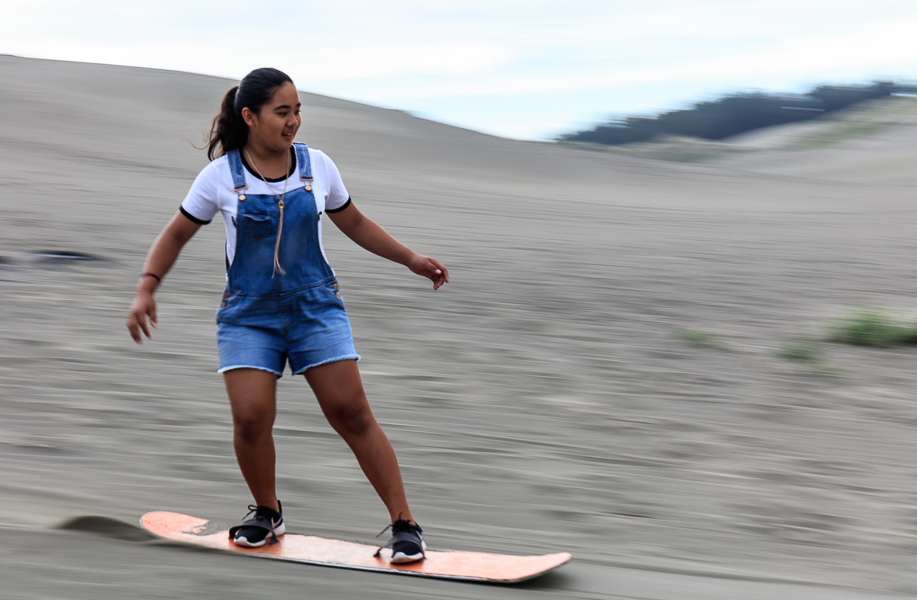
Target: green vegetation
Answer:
pixel 697 337
pixel 801 350
pixel 862 327
pixel 838 133
pixel 870 327
pixel 809 353
pixel 732 115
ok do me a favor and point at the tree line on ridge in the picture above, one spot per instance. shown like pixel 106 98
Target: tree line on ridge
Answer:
pixel 732 115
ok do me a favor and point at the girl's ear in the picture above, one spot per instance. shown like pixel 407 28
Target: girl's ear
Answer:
pixel 248 116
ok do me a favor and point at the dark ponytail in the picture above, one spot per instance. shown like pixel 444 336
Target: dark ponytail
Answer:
pixel 229 131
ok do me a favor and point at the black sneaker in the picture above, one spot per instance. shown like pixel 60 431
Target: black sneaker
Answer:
pixel 407 542
pixel 266 526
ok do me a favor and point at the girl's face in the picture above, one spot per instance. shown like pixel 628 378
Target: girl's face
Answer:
pixel 275 125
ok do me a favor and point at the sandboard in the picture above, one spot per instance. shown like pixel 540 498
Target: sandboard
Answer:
pixel 467 566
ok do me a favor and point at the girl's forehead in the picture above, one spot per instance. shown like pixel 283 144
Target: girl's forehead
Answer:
pixel 285 94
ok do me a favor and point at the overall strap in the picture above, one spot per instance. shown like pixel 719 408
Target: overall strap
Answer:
pixel 303 161
pixel 238 171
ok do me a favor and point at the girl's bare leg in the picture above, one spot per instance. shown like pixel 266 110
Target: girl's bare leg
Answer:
pixel 253 399
pixel 339 391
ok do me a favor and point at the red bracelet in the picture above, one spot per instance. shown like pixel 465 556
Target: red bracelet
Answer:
pixel 153 275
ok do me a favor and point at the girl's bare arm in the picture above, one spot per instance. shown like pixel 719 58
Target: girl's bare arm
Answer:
pixel 162 255
pixel 366 233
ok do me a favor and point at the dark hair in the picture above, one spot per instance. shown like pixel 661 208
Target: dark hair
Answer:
pixel 229 132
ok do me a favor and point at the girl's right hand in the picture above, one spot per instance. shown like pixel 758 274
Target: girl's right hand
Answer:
pixel 160 259
pixel 142 308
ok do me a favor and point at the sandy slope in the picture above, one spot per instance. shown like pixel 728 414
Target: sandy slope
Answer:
pixel 542 401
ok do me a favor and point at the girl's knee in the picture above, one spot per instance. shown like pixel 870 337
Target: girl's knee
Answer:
pixel 351 419
pixel 251 426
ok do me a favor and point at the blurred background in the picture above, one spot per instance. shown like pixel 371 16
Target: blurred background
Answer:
pixel 521 69
pixel 683 354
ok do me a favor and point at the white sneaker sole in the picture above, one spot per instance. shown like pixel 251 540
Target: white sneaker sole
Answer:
pixel 401 557
pixel 241 541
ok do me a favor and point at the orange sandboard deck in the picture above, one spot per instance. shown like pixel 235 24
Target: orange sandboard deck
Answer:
pixel 465 566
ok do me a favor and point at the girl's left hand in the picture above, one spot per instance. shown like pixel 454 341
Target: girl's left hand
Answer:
pixel 430 268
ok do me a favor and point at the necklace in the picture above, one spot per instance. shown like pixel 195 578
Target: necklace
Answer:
pixel 280 198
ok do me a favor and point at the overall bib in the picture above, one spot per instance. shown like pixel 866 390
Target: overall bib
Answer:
pixel 281 301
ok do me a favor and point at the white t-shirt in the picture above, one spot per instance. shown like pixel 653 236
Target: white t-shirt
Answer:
pixel 212 192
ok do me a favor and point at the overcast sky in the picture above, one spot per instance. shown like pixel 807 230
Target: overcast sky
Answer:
pixel 527 69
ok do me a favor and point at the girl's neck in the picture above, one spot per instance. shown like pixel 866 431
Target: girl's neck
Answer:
pixel 273 164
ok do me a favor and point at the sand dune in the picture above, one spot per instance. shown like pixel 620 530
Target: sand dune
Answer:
pixel 547 399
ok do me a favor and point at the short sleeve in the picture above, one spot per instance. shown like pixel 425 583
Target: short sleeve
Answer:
pixel 201 203
pixel 337 193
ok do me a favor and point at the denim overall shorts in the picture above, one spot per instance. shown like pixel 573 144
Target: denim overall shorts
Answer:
pixel 290 310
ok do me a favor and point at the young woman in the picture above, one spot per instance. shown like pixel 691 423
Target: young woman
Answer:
pixel 282 302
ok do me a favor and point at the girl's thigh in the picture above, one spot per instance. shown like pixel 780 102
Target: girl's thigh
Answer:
pixel 252 395
pixel 339 390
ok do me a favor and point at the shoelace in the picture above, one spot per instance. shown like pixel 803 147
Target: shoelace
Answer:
pixel 397 527
pixel 252 508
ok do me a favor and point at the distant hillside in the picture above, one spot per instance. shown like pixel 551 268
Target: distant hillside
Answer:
pixel 734 115
pixel 871 143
